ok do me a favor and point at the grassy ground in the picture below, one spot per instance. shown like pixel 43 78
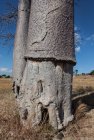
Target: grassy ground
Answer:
pixel 84 83
pixel 10 127
pixel 82 128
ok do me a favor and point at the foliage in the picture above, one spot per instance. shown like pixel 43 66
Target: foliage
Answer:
pixel 75 72
pixel 92 72
pixel 5 76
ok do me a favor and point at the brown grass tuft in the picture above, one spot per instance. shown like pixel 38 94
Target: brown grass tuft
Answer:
pixel 81 111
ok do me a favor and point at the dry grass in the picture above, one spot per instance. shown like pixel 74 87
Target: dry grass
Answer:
pixel 82 128
pixel 83 83
pixel 10 127
pixel 5 84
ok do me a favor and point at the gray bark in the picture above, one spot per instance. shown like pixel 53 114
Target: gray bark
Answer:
pixel 51 30
pixel 43 62
pixel 46 85
pixel 20 42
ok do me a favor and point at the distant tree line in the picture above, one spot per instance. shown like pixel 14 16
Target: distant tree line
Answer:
pixel 75 72
pixel 5 76
pixel 92 72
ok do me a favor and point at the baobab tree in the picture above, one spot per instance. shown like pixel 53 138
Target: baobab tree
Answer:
pixel 44 57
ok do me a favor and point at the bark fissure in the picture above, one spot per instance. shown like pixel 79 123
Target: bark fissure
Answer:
pixel 54 10
pixel 36 42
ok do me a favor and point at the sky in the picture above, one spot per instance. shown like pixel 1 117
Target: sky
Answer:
pixel 84 23
pixel 6 46
pixel 84 32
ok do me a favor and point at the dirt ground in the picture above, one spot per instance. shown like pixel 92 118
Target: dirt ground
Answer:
pixel 82 128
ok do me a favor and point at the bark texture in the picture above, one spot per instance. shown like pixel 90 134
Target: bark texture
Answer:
pixel 20 42
pixel 46 85
pixel 51 30
pixel 43 62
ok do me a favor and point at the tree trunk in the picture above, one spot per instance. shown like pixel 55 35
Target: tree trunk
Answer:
pixel 46 85
pixel 43 62
pixel 20 43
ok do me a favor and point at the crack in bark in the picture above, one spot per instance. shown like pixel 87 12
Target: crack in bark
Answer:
pixel 53 10
pixel 28 10
pixel 66 16
pixel 36 42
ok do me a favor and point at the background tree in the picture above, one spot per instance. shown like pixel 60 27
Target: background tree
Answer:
pixel 76 72
pixel 92 72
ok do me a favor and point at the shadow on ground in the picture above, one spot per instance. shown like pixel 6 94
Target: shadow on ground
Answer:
pixel 87 99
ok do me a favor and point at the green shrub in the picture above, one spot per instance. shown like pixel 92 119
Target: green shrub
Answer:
pixel 92 72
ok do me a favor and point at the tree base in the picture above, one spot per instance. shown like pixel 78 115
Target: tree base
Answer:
pixel 46 90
